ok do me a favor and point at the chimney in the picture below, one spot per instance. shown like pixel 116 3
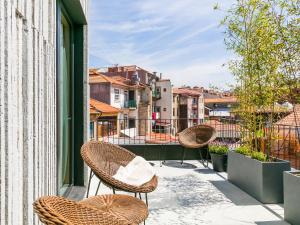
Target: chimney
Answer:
pixel 160 76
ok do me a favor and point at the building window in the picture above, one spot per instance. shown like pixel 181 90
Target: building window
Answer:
pixel 165 89
pixel 157 109
pixel 117 95
pixel 173 111
pixel 165 109
pixel 194 101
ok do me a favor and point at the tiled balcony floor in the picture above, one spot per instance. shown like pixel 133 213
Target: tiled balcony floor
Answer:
pixel 201 196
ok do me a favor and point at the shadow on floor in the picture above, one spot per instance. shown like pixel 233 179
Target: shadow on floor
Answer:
pixel 278 222
pixel 234 194
pixel 205 171
pixel 177 164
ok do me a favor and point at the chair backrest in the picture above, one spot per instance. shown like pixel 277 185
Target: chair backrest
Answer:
pixel 105 158
pixel 58 210
pixel 199 135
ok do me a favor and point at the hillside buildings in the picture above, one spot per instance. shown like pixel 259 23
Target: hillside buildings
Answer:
pixel 131 97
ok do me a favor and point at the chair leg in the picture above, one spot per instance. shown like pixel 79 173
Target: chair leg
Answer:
pixel 140 196
pixel 98 187
pixel 114 191
pixel 135 195
pixel 202 159
pixel 183 155
pixel 88 190
pixel 146 196
pixel 207 155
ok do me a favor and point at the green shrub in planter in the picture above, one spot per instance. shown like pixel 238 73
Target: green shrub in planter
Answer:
pixel 260 156
pixel 259 177
pixel 219 157
pixel 244 150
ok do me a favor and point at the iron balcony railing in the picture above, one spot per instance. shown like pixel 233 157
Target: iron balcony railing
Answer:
pixel 131 103
pixel 285 145
pixel 156 94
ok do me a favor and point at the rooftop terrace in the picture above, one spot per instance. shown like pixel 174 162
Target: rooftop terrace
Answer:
pixel 198 195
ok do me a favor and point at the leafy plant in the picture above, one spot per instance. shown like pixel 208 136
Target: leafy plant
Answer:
pixel 264 36
pixel 218 149
pixel 260 156
pixel 244 150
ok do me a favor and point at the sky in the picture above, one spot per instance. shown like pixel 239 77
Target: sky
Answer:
pixel 181 39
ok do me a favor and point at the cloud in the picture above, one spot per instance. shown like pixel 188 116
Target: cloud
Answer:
pixel 160 35
pixel 203 74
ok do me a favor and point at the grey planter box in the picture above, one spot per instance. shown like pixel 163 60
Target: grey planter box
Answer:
pixel 262 180
pixel 292 197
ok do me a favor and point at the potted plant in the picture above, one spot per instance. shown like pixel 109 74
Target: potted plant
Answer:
pixel 219 157
pixel 257 175
pixel 292 197
pixel 253 34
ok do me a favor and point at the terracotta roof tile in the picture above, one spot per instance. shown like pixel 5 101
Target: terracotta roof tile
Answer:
pixel 185 91
pixel 221 100
pixel 102 107
pixel 290 119
pixel 100 78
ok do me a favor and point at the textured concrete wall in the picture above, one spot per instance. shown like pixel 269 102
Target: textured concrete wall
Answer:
pixel 27 107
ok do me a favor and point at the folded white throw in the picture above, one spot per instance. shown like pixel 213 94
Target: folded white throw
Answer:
pixel 137 172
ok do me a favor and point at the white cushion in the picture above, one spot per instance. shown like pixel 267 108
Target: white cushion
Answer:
pixel 137 172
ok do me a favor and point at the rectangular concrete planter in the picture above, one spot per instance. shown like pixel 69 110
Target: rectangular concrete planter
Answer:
pixel 262 180
pixel 292 197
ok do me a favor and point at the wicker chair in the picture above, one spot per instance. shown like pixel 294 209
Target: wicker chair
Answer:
pixel 197 137
pixel 104 159
pixel 99 210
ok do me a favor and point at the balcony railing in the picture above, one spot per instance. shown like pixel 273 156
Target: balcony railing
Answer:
pixel 156 94
pixel 229 131
pixel 132 104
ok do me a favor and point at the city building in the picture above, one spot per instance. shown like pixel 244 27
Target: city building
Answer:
pixel 104 118
pixel 41 127
pixel 188 107
pixel 131 72
pixel 218 107
pixel 132 97
pixel 163 106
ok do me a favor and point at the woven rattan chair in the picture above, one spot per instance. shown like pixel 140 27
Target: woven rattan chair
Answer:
pixel 98 210
pixel 104 159
pixel 195 138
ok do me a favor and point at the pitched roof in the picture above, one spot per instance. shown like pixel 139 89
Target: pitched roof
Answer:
pixel 96 77
pixel 221 100
pixel 290 119
pixel 185 91
pixel 102 107
pixel 100 78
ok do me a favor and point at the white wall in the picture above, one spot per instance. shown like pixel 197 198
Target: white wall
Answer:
pixel 120 103
pixel 28 164
pixel 201 107
pixel 166 100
